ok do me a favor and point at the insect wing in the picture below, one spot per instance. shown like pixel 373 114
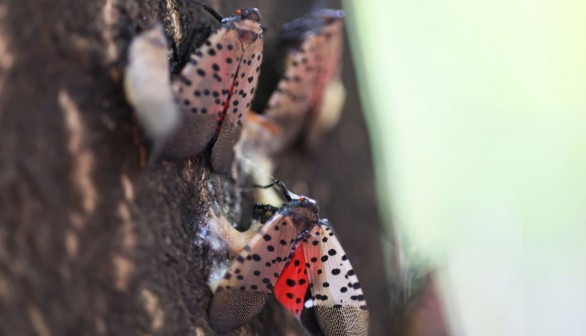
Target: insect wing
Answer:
pixel 329 94
pixel 202 90
pixel 242 93
pixel 288 105
pixel 243 291
pixel 293 283
pixel 328 58
pixel 338 301
pixel 310 79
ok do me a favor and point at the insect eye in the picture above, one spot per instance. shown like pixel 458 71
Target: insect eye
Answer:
pixel 239 12
pixel 301 199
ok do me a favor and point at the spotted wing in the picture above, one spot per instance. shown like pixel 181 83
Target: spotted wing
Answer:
pixel 243 291
pixel 202 89
pixel 311 85
pixel 293 283
pixel 288 105
pixel 240 101
pixel 337 298
pixel 328 54
pixel 328 96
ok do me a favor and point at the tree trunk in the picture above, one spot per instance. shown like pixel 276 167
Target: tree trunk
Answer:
pixel 92 240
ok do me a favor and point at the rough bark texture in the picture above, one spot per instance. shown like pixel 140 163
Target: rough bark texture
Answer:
pixel 92 241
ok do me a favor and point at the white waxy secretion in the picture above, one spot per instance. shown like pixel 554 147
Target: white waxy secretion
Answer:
pixel 147 85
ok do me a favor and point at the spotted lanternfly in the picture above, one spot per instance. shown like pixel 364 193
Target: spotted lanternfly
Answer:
pixel 215 89
pixel 309 98
pixel 297 257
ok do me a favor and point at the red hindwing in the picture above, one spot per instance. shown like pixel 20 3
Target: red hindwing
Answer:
pixel 293 282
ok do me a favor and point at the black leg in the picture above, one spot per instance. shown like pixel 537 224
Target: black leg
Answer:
pixel 263 212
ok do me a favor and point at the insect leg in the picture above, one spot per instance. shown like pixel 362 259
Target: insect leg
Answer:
pixel 263 212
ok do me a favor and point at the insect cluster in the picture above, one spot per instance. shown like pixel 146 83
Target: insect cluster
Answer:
pixel 205 109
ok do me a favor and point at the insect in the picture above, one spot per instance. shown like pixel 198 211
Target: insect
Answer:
pixel 215 89
pixel 297 257
pixel 309 97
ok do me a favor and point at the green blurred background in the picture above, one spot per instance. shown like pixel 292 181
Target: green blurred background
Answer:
pixel 477 114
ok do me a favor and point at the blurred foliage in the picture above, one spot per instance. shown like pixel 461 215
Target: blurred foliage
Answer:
pixel 477 114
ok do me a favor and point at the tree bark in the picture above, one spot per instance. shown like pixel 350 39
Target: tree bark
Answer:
pixel 92 241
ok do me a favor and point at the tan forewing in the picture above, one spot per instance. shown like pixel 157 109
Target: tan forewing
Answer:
pixel 243 291
pixel 201 90
pixel 288 105
pixel 298 100
pixel 328 56
pixel 243 92
pixel 337 297
pixel 328 96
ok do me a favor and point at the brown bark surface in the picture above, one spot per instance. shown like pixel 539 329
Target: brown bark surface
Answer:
pixel 92 241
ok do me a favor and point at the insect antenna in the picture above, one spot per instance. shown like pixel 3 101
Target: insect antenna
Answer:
pixel 280 186
pixel 213 12
pixel 265 186
pixel 208 9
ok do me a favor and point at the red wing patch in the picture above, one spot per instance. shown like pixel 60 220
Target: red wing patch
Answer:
pixel 293 283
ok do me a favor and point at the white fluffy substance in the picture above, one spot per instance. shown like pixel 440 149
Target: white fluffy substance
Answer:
pixel 147 85
pixel 221 235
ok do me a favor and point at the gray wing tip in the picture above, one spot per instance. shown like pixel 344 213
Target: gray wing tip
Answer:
pixel 232 308
pixel 345 320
